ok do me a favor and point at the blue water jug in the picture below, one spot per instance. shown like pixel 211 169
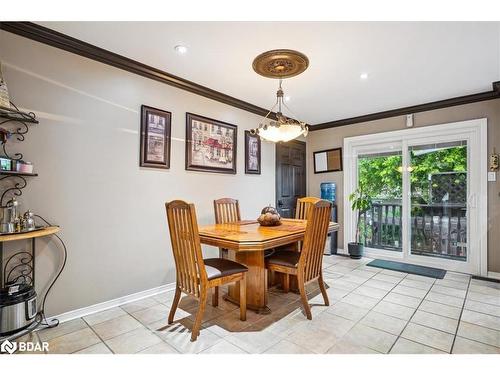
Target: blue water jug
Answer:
pixel 328 191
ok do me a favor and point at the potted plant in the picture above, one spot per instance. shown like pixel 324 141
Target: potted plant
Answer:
pixel 360 202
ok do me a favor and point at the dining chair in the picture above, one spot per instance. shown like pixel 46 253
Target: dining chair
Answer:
pixel 226 210
pixel 301 210
pixel 303 205
pixel 306 265
pixel 195 275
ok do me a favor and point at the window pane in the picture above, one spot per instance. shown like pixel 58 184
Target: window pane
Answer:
pixel 379 175
pixel 438 182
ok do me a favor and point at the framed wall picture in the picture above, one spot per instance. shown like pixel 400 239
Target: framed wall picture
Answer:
pixel 210 145
pixel 252 153
pixel 328 160
pixel 155 137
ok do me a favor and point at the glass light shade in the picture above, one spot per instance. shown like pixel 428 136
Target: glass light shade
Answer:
pixel 283 133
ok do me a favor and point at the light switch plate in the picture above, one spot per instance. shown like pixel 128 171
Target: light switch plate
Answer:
pixel 492 176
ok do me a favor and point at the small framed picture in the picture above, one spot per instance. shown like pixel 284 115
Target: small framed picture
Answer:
pixel 328 160
pixel 155 137
pixel 210 145
pixel 252 153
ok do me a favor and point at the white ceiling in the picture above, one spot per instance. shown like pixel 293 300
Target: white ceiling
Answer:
pixel 407 63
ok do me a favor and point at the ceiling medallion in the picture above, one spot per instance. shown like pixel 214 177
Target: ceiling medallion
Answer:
pixel 280 63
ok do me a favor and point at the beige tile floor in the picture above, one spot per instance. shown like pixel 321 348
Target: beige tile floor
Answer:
pixel 371 311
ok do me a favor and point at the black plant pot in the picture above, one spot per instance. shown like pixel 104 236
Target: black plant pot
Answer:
pixel 355 250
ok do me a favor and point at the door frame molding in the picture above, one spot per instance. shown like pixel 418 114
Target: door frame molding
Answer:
pixel 477 129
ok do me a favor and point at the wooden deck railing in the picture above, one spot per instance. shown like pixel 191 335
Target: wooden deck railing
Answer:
pixel 436 229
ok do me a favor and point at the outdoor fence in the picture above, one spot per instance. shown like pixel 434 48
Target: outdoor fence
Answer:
pixel 436 229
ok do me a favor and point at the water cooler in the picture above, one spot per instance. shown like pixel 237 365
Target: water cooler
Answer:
pixel 329 192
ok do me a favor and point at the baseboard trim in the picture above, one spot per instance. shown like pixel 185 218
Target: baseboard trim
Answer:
pixel 78 313
pixel 494 275
pixel 342 252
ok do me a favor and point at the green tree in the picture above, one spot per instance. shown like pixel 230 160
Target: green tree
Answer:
pixel 381 177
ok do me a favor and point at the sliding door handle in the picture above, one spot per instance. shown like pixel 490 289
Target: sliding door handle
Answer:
pixel 472 201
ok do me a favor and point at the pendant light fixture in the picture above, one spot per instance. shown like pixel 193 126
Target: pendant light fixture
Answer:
pixel 280 64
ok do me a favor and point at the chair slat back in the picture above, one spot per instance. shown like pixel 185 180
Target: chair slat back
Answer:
pixel 311 257
pixel 303 205
pixel 186 246
pixel 227 210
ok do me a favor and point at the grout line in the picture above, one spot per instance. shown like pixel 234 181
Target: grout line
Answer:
pixel 95 333
pixel 150 330
pixel 409 320
pixel 481 312
pixel 461 312
pixel 460 317
pixel 358 321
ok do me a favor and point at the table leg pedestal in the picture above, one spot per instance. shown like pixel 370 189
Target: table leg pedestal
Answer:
pixel 256 281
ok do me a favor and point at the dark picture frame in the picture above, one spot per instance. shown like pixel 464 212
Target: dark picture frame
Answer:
pixel 210 145
pixel 328 160
pixel 156 126
pixel 252 153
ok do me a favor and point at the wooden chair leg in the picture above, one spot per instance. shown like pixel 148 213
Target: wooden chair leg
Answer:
pixel 305 302
pixel 215 297
pixel 323 289
pixel 243 298
pixel 175 303
pixel 286 283
pixel 270 278
pixel 199 315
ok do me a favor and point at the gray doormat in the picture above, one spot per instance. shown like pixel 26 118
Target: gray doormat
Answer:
pixel 436 273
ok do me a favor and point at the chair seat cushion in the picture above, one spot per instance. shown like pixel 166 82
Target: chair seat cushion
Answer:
pixel 218 267
pixel 284 258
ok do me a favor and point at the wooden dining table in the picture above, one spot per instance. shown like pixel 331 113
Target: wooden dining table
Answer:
pixel 246 242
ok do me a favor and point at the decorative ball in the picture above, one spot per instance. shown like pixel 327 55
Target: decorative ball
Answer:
pixel 270 209
pixel 269 217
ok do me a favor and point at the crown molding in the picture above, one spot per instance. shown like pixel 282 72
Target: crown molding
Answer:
pixel 62 41
pixel 460 100
pixel 56 39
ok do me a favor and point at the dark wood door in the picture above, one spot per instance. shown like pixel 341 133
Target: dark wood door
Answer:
pixel 290 176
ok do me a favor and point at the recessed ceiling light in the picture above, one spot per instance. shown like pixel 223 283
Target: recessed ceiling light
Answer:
pixel 287 98
pixel 180 49
pixel 363 76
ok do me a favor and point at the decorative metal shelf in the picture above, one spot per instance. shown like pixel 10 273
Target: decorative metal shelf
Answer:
pixel 14 114
pixel 15 173
pixel 19 268
pixel 18 187
pixel 14 125
pixel 19 120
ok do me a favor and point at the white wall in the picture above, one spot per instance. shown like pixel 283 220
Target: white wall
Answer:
pixel 86 151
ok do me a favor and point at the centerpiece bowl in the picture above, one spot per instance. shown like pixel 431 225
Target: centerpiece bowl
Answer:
pixel 269 217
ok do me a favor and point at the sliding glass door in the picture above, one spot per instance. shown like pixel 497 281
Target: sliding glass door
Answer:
pixel 427 186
